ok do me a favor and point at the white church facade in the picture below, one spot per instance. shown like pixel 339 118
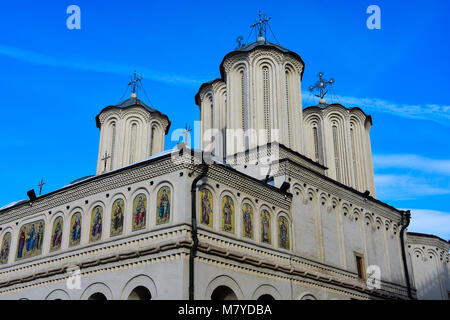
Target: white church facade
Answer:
pixel 278 204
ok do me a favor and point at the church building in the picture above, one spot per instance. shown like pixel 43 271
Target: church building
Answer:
pixel 278 203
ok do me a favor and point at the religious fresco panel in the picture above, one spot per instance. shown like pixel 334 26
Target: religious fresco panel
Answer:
pixel 56 237
pixel 247 220
pixel 227 214
pixel 30 240
pixel 117 216
pixel 139 212
pixel 95 233
pixel 283 233
pixel 75 229
pixel 5 248
pixel 265 227
pixel 206 208
pixel 163 205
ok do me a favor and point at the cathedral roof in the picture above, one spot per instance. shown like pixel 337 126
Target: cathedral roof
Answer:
pixel 323 106
pixel 132 102
pixel 248 48
pixel 258 45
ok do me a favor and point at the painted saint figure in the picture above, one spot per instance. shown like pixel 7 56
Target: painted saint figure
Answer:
pixel 57 234
pixel 284 233
pixel 163 205
pixel 206 208
pixel 4 252
pixel 117 218
pixel 39 236
pixel 21 242
pixel 96 230
pixel 75 234
pixel 265 226
pixel 227 214
pixel 247 220
pixel 139 212
pixel 31 240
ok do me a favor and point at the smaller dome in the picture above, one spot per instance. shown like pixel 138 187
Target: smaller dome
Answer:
pixel 261 39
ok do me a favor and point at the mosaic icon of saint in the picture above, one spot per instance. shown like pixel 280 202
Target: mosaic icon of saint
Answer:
pixel 139 213
pixel 284 233
pixel 21 242
pixel 265 224
pixel 57 234
pixel 76 229
pixel 6 245
pixel 117 218
pixel 247 219
pixel 206 215
pixel 163 206
pixel 227 212
pixel 96 224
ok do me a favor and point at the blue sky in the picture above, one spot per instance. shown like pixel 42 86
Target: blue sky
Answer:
pixel 54 81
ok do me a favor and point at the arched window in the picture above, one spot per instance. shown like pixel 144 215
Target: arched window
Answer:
pixel 133 142
pixel 223 293
pixel 211 113
pixel 287 80
pixel 316 144
pixel 265 297
pixel 140 293
pixel 113 144
pixel 353 142
pixel 266 100
pixel 97 296
pixel 337 160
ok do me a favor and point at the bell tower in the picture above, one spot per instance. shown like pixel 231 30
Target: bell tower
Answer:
pixel 130 131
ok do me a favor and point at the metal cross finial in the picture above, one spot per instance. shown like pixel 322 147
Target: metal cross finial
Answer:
pixel 105 158
pixel 261 24
pixel 134 80
pixel 321 87
pixel 186 133
pixel 40 185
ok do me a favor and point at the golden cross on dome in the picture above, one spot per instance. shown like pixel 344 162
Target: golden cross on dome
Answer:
pixel 134 80
pixel 261 24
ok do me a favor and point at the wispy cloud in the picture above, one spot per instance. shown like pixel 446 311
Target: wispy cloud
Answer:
pixel 407 187
pixel 431 222
pixel 96 66
pixel 412 161
pixel 434 112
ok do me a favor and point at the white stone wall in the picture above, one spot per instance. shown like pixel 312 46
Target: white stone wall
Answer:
pixel 350 160
pixel 430 266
